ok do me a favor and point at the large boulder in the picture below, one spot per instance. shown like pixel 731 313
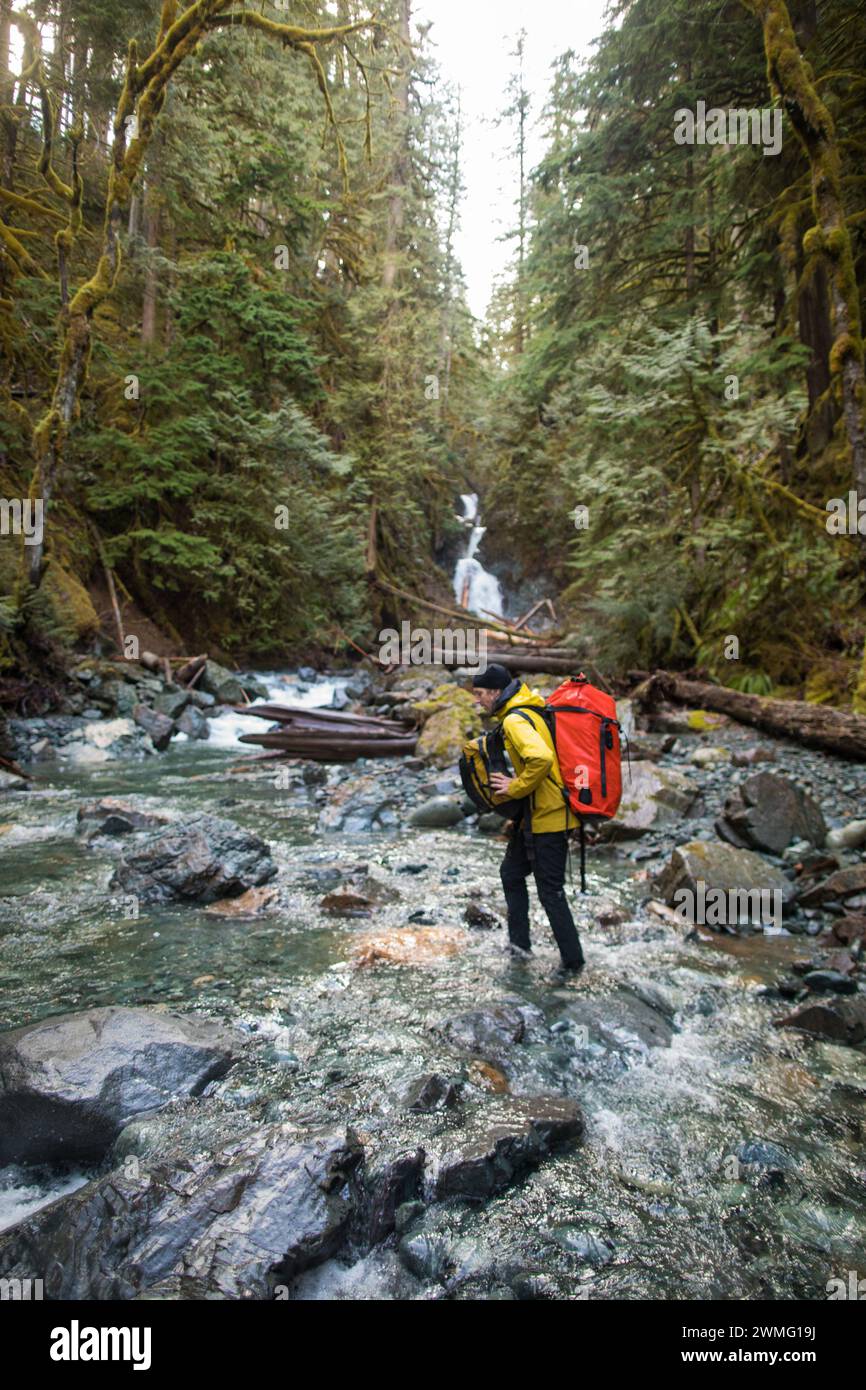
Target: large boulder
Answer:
pixel 203 860
pixel 719 868
pixel 68 1085
pixel 652 797
pixel 234 1223
pixel 450 716
pixel 768 812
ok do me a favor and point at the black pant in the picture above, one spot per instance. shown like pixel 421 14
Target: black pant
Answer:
pixel 550 855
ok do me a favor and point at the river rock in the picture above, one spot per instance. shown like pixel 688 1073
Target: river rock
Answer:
pixel 710 757
pixel 359 805
pixel 848 929
pixel 106 740
pixel 844 885
pixel 622 1022
pixel 480 918
pixel 829 982
pixel 849 836
pixel 652 797
pixel 193 723
pixel 381 1186
pixel 158 726
pixel 10 783
pixel 432 1092
pixel 502 1143
pixel 202 860
pixel 836 1019
pixel 492 1030
pixel 68 1085
pixel 235 1224
pixel 224 685
pixel 720 867
pixel 768 812
pixel 172 702
pixel 111 816
pixel 437 813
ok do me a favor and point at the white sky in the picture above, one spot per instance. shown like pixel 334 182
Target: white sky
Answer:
pixel 471 40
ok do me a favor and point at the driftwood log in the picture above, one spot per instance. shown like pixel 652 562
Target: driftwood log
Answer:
pixel 336 748
pixel 816 726
pixel 329 736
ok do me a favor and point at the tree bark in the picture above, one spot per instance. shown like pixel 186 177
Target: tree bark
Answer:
pixel 791 81
pixel 400 172
pixel 816 726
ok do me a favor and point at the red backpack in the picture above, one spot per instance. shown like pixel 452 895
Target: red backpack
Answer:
pixel 586 735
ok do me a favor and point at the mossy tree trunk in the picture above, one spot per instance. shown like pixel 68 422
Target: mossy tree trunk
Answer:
pixel 791 80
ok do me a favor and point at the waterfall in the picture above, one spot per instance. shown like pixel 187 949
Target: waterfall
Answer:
pixel 483 590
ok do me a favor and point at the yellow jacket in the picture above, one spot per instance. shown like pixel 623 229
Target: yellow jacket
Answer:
pixel 533 757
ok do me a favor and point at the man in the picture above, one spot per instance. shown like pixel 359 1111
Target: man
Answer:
pixel 544 852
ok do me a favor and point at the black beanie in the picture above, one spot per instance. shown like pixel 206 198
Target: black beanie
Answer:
pixel 496 677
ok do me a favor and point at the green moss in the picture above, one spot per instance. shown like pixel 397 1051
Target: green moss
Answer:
pixel 72 608
pixel 702 720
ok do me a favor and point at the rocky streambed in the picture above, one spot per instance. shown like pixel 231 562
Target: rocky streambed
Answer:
pixel 262 1038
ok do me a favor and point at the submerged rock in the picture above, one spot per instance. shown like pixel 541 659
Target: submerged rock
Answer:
pixel 432 1092
pixel 111 816
pixel 836 1019
pixel 501 1144
pixel 768 812
pixel 490 1031
pixel 203 860
pixel 68 1085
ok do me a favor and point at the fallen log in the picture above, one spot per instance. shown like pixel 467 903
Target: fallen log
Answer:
pixel 300 716
pixel 816 726
pixel 336 749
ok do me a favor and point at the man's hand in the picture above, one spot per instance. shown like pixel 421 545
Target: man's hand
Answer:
pixel 501 783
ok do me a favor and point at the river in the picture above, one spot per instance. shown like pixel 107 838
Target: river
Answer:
pixel 669 1196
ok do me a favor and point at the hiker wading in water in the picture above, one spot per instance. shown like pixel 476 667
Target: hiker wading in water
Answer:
pixel 539 840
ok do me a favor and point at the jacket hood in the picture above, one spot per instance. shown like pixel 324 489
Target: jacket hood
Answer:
pixel 517 693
